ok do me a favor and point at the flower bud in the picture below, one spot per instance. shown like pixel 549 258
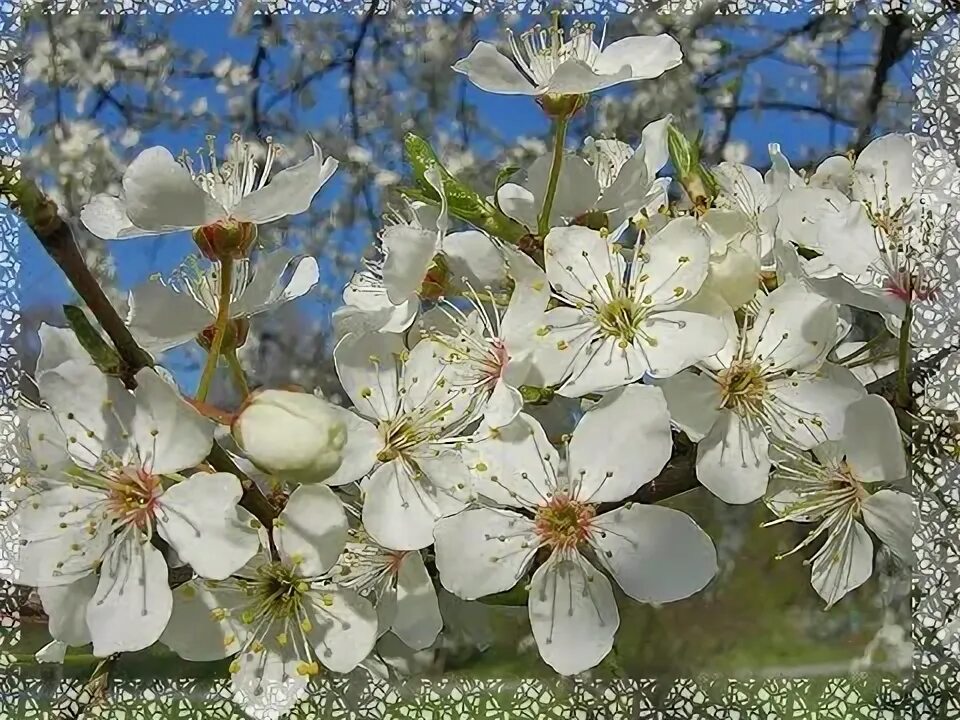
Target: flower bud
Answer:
pixel 291 432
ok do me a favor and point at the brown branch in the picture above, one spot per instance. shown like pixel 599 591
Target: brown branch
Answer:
pixel 895 42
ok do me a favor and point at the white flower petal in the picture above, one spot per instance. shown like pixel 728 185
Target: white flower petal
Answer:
pixel 170 434
pixel 133 601
pixel 94 410
pixel 400 510
pixel 733 461
pixel 892 516
pixel 681 338
pixel 578 261
pixel 575 77
pixel 106 217
pixel 604 365
pixel 47 443
pixel 289 192
pixel 883 172
pixel 66 606
pixel 655 554
pixel 519 203
pixel 794 329
pixel 417 621
pixel 558 344
pixel 267 683
pixel 503 406
pixel 531 293
pixel 489 70
pixel 279 277
pixel 850 565
pixel 200 519
pixel 58 346
pixel 366 366
pixel 160 195
pixel 195 632
pixel 802 211
pixel 573 613
pixel 472 255
pixel 344 629
pixel 632 426
pixel 360 452
pixel 482 552
pixel 872 442
pixel 312 529
pixel 812 409
pixel 52 652
pixel 429 383
pixel 653 145
pixel 577 187
pixel 646 56
pixel 694 402
pixel 848 240
pixel 162 318
pixel 672 265
pixel 409 253
pixel 515 466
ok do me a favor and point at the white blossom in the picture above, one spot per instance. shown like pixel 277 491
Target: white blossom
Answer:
pixel 162 195
pixel 655 554
pixel 280 618
pixel 619 321
pixel 769 381
pixel 164 315
pixel 402 436
pixel 108 475
pixel 551 61
pixel 833 488
pixel 399 586
pixel 611 184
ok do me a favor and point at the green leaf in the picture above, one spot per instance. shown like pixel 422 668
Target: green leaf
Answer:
pixel 102 354
pixel 683 154
pixel 463 202
pixel 514 597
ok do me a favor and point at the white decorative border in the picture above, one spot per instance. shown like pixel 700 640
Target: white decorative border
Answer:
pixel 930 693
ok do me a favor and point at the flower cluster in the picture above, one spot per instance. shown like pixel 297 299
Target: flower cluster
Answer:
pixel 713 305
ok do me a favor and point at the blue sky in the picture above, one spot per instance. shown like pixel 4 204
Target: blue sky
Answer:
pixel 40 280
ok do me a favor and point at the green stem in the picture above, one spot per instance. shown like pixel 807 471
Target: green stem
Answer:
pixel 868 360
pixel 873 342
pixel 559 138
pixel 239 376
pixel 220 329
pixel 903 353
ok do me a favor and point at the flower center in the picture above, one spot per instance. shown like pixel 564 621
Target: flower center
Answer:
pixel 843 478
pixel 564 523
pixel 743 389
pixel 621 318
pixel 133 496
pixel 278 592
pixel 404 433
pixel 540 51
pixel 230 181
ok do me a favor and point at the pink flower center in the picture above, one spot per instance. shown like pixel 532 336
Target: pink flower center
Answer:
pixel 497 361
pixel 133 497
